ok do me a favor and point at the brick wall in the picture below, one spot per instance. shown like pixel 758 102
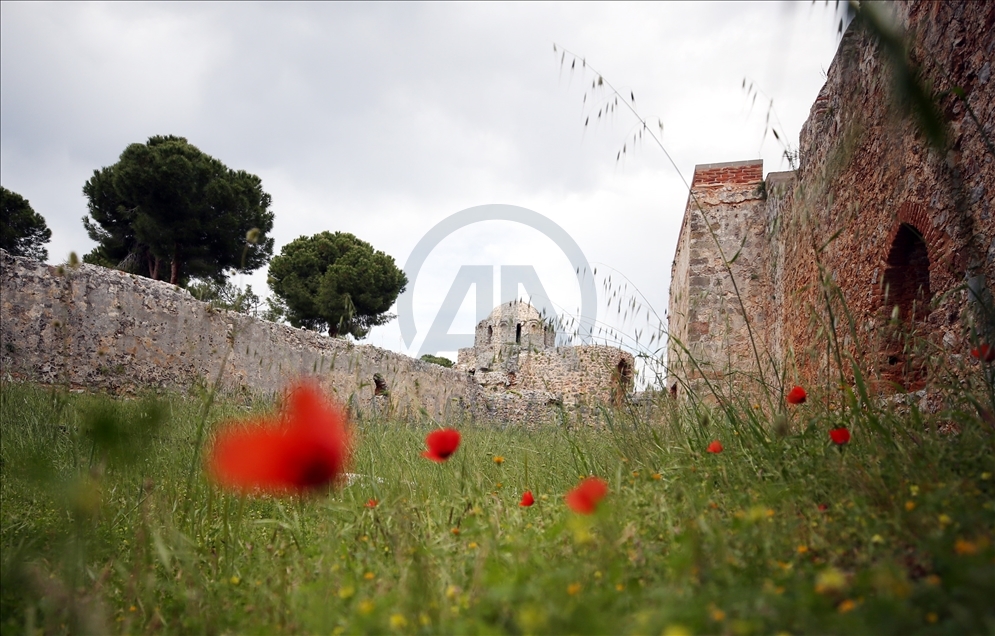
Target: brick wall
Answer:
pixel 874 217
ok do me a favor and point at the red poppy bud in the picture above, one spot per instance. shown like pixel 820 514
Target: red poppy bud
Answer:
pixel 839 436
pixel 715 447
pixel 797 395
pixel 585 497
pixel 441 444
pixel 372 503
pixel 527 499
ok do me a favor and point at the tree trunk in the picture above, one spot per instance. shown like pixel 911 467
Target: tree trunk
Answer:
pixel 153 267
pixel 174 274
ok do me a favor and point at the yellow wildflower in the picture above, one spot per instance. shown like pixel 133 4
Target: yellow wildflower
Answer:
pixel 830 580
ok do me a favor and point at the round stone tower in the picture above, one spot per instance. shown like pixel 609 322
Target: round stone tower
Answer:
pixel 514 323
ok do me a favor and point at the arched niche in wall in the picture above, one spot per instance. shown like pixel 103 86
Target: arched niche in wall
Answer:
pixel 906 276
pixel 909 282
pixel 621 382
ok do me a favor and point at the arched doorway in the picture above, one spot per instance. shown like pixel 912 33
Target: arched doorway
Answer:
pixel 906 297
pixel 621 382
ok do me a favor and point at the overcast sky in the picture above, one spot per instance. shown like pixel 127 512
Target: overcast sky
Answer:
pixel 384 119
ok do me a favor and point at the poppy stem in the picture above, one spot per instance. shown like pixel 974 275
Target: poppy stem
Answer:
pixel 202 425
pixel 527 485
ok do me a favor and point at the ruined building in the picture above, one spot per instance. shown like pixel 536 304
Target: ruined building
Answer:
pixel 880 247
pixel 514 357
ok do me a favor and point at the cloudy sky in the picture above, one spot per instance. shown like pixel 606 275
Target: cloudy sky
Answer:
pixel 384 119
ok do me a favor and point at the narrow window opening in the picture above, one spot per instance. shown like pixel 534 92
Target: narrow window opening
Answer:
pixel 518 334
pixel 490 333
pixel 906 296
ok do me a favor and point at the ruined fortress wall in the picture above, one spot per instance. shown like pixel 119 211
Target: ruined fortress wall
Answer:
pixel 873 213
pixel 724 223
pixel 108 330
pixel 93 328
pixel 865 170
pixel 679 304
pixel 576 374
pixel 779 188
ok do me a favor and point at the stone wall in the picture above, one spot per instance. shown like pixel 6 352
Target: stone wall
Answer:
pixel 716 276
pixel 881 246
pixel 101 329
pixel 514 353
pixel 93 328
pixel 867 174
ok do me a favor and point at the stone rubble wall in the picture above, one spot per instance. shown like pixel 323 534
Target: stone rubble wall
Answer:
pixel 98 329
pixel 102 329
pixel 576 376
pixel 724 216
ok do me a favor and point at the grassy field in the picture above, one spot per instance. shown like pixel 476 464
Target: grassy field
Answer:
pixel 109 525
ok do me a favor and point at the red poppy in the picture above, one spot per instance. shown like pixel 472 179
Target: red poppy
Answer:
pixel 441 444
pixel 797 395
pixel 823 507
pixel 985 352
pixel 715 447
pixel 372 503
pixel 305 447
pixel 585 497
pixel 527 499
pixel 840 435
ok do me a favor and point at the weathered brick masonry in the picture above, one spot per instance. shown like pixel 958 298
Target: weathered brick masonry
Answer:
pixel 899 227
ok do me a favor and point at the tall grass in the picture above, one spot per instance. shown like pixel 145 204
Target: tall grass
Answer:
pixel 108 524
pixel 734 542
